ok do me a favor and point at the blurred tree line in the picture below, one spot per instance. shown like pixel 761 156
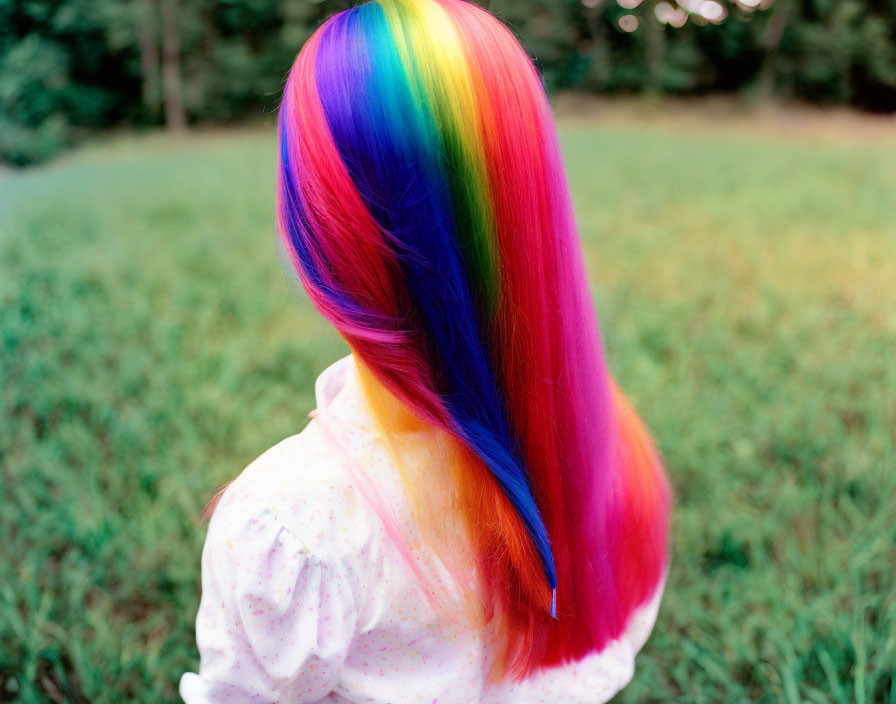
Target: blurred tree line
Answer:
pixel 68 66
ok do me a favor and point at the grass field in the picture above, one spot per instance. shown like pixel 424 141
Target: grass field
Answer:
pixel 746 285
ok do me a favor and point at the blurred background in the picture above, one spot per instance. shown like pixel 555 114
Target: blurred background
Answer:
pixel 733 166
pixel 70 67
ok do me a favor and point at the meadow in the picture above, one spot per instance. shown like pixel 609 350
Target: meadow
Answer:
pixel 151 346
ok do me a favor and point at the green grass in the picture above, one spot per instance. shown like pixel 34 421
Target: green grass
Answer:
pixel 151 348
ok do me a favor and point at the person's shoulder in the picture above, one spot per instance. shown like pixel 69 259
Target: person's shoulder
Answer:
pixel 300 485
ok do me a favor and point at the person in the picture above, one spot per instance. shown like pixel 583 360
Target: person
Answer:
pixel 475 512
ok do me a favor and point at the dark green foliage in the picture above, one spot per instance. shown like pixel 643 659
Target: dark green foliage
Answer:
pixel 69 64
pixel 847 55
pixel 33 81
pixel 150 347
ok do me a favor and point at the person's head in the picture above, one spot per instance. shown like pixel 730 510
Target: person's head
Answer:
pixel 423 201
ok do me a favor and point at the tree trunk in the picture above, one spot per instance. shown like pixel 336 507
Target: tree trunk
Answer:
pixel 654 49
pixel 771 43
pixel 175 116
pixel 146 12
pixel 600 71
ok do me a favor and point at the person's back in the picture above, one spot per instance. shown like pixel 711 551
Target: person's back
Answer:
pixel 480 514
pixel 307 598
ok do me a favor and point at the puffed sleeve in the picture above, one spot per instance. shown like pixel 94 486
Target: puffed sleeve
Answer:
pixel 275 621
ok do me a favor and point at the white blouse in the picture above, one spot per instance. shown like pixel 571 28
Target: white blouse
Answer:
pixel 306 599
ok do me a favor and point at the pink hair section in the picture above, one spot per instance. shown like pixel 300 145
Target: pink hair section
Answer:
pixel 349 247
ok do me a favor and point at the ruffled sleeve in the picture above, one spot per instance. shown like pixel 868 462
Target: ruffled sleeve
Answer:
pixel 275 622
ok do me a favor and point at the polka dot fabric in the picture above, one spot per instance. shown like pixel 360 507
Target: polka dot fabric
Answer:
pixel 306 598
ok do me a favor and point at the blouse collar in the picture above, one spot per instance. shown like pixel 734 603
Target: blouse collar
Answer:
pixel 338 391
pixel 331 381
pixel 344 390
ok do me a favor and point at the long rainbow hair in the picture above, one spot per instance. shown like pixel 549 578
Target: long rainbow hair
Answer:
pixel 423 202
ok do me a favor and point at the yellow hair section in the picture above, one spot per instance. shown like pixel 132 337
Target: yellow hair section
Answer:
pixel 431 464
